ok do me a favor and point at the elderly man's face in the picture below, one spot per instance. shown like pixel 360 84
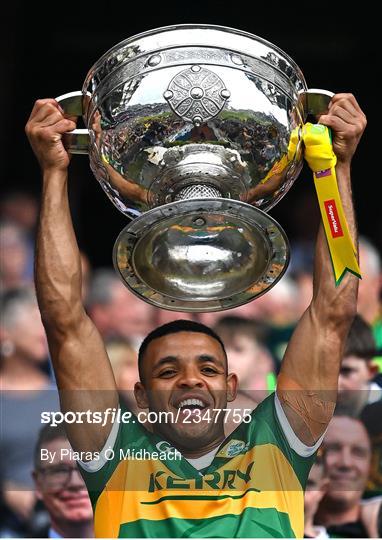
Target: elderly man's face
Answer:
pixel 347 458
pixel 61 488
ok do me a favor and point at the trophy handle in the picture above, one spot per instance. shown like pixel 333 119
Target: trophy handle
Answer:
pixel 315 101
pixel 78 140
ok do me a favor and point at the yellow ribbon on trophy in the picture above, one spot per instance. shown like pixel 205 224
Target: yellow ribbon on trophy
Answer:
pixel 322 160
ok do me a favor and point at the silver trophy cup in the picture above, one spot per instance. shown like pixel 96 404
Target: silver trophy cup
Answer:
pixel 188 129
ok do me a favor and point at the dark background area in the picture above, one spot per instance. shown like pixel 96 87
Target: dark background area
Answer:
pixel 48 49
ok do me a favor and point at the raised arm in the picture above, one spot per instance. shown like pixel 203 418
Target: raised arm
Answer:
pixel 81 365
pixel 307 384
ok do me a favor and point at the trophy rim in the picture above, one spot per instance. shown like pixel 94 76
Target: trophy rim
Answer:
pixel 133 233
pixel 190 26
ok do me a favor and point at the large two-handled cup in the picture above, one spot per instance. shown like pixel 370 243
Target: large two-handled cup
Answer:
pixel 188 131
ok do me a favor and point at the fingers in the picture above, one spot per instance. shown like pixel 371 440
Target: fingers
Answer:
pixel 51 126
pixel 64 125
pixel 340 126
pixel 347 98
pixel 47 113
pixel 40 103
pixel 344 115
pixel 348 122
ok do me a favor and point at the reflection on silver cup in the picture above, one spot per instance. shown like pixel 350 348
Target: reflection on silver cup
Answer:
pixel 188 129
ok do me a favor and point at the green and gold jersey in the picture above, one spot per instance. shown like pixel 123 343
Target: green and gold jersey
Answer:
pixel 253 487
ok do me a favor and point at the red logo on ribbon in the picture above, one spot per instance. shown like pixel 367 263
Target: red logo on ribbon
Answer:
pixel 334 220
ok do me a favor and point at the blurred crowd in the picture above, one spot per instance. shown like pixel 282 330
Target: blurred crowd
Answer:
pixel 344 492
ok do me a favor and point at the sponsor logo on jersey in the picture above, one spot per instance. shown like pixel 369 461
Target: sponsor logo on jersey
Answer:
pixel 233 448
pixel 164 446
pixel 220 479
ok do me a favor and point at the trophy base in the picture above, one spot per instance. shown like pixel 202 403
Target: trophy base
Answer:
pixel 201 255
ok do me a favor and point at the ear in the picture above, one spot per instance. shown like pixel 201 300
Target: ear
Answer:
pixel 231 386
pixel 373 369
pixel 141 395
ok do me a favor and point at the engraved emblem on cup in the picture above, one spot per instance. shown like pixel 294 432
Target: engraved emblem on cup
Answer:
pixel 196 95
pixel 189 140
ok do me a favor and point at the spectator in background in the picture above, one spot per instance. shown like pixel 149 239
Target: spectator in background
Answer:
pixel 247 311
pixel 371 417
pixel 60 487
pixel 247 356
pixel 251 362
pixel 370 289
pixel 279 309
pixel 356 387
pixel 371 515
pixel 15 258
pixel 316 487
pixel 163 316
pixel 115 310
pixel 124 362
pixel 347 453
pixel 86 274
pixel 20 208
pixel 26 392
pixel 301 271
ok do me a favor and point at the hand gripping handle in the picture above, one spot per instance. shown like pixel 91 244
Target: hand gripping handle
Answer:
pixel 315 101
pixel 78 140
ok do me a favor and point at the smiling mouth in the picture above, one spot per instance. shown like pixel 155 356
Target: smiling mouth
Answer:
pixel 192 404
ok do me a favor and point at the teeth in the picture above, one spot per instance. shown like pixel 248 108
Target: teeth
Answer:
pixel 190 402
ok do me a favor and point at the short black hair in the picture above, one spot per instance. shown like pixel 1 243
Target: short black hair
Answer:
pixel 360 341
pixel 47 434
pixel 174 327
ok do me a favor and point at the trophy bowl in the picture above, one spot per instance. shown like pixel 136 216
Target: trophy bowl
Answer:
pixel 187 131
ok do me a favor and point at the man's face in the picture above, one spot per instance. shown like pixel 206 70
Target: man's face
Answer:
pixel 355 374
pixel 347 458
pixel 185 373
pixel 28 335
pixel 242 353
pixel 61 488
pixel 128 315
pixel 250 362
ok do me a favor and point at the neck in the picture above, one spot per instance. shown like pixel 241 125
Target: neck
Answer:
pixel 83 529
pixel 18 373
pixel 336 514
pixel 194 453
pixel 197 453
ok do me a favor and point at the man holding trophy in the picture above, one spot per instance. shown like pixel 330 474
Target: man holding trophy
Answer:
pixel 192 480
